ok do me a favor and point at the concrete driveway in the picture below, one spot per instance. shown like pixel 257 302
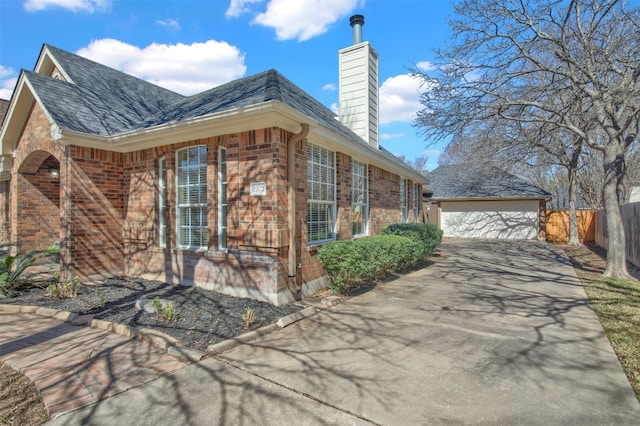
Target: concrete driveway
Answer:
pixel 491 333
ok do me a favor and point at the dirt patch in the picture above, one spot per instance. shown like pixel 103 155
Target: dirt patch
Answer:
pixel 589 261
pixel 20 402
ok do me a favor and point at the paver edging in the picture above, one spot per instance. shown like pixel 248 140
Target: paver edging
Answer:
pixel 157 338
pixel 154 337
pixel 250 335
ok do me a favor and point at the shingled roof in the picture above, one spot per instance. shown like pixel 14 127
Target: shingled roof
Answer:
pixel 105 102
pixel 98 100
pixel 472 181
pixel 4 107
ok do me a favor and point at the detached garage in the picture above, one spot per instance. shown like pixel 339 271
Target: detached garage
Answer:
pixel 471 201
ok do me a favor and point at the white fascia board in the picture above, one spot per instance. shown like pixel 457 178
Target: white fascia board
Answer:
pixel 20 107
pixel 40 65
pixel 268 114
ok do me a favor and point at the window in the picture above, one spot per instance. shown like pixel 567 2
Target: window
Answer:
pixel 222 198
pixel 416 202
pixel 162 202
pixel 403 200
pixel 191 195
pixel 321 194
pixel 359 198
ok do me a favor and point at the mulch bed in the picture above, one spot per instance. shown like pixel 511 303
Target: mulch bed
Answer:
pixel 203 317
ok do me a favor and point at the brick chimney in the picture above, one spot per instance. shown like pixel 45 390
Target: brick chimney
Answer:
pixel 358 85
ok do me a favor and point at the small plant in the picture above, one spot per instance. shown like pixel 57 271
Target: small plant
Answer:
pixel 54 249
pixel 249 317
pixel 13 266
pixel 64 289
pixel 166 309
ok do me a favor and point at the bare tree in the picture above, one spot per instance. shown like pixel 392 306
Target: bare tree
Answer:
pixel 419 164
pixel 549 63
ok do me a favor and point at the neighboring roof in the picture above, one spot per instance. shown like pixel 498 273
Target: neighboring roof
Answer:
pixel 4 106
pixel 102 101
pixel 471 181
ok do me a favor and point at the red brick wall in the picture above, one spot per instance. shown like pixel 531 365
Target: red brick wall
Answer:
pixel 343 196
pixel 384 199
pixel 97 195
pixel 34 197
pixel 105 210
pixel 39 208
pixel 256 260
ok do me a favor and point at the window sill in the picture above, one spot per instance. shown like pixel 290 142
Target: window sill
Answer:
pixel 317 244
pixel 357 237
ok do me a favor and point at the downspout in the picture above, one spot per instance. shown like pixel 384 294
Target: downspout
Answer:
pixel 292 267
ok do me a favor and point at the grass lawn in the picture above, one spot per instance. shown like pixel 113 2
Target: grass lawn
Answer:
pixel 617 304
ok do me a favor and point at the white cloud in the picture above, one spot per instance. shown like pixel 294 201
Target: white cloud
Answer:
pixel 6 71
pixel 335 108
pixel 387 136
pixel 170 23
pixel 331 87
pixel 238 7
pixel 399 99
pixel 183 68
pixel 89 6
pixel 8 81
pixel 425 66
pixel 303 19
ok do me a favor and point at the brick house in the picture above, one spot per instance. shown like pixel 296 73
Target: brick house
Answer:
pixel 232 189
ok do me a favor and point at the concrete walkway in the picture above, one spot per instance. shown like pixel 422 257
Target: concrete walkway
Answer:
pixel 74 366
pixel 491 333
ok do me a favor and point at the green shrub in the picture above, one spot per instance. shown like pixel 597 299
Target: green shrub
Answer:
pixel 427 233
pixel 12 268
pixel 349 263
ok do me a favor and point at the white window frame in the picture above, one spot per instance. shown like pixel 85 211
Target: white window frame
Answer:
pixel 360 195
pixel 403 201
pixel 198 204
pixel 222 198
pixel 162 202
pixel 416 203
pixel 321 194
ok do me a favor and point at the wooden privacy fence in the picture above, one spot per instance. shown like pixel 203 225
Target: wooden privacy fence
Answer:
pixel 631 220
pixel 558 225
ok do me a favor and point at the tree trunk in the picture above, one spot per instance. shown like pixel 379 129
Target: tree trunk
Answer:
pixel 622 188
pixel 616 254
pixel 574 238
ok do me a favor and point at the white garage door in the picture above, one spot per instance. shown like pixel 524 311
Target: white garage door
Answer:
pixel 514 220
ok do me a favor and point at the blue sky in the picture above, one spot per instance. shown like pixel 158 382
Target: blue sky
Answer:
pixel 192 45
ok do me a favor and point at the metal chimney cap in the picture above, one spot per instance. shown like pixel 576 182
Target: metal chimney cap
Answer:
pixel 356 20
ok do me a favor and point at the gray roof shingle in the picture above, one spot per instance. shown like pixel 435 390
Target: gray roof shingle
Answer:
pixel 110 101
pixel 480 181
pixel 4 107
pixel 105 102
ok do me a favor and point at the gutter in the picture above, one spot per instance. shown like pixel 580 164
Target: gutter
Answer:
pixel 292 261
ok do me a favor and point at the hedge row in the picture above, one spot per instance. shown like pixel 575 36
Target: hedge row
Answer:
pixel 427 233
pixel 400 246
